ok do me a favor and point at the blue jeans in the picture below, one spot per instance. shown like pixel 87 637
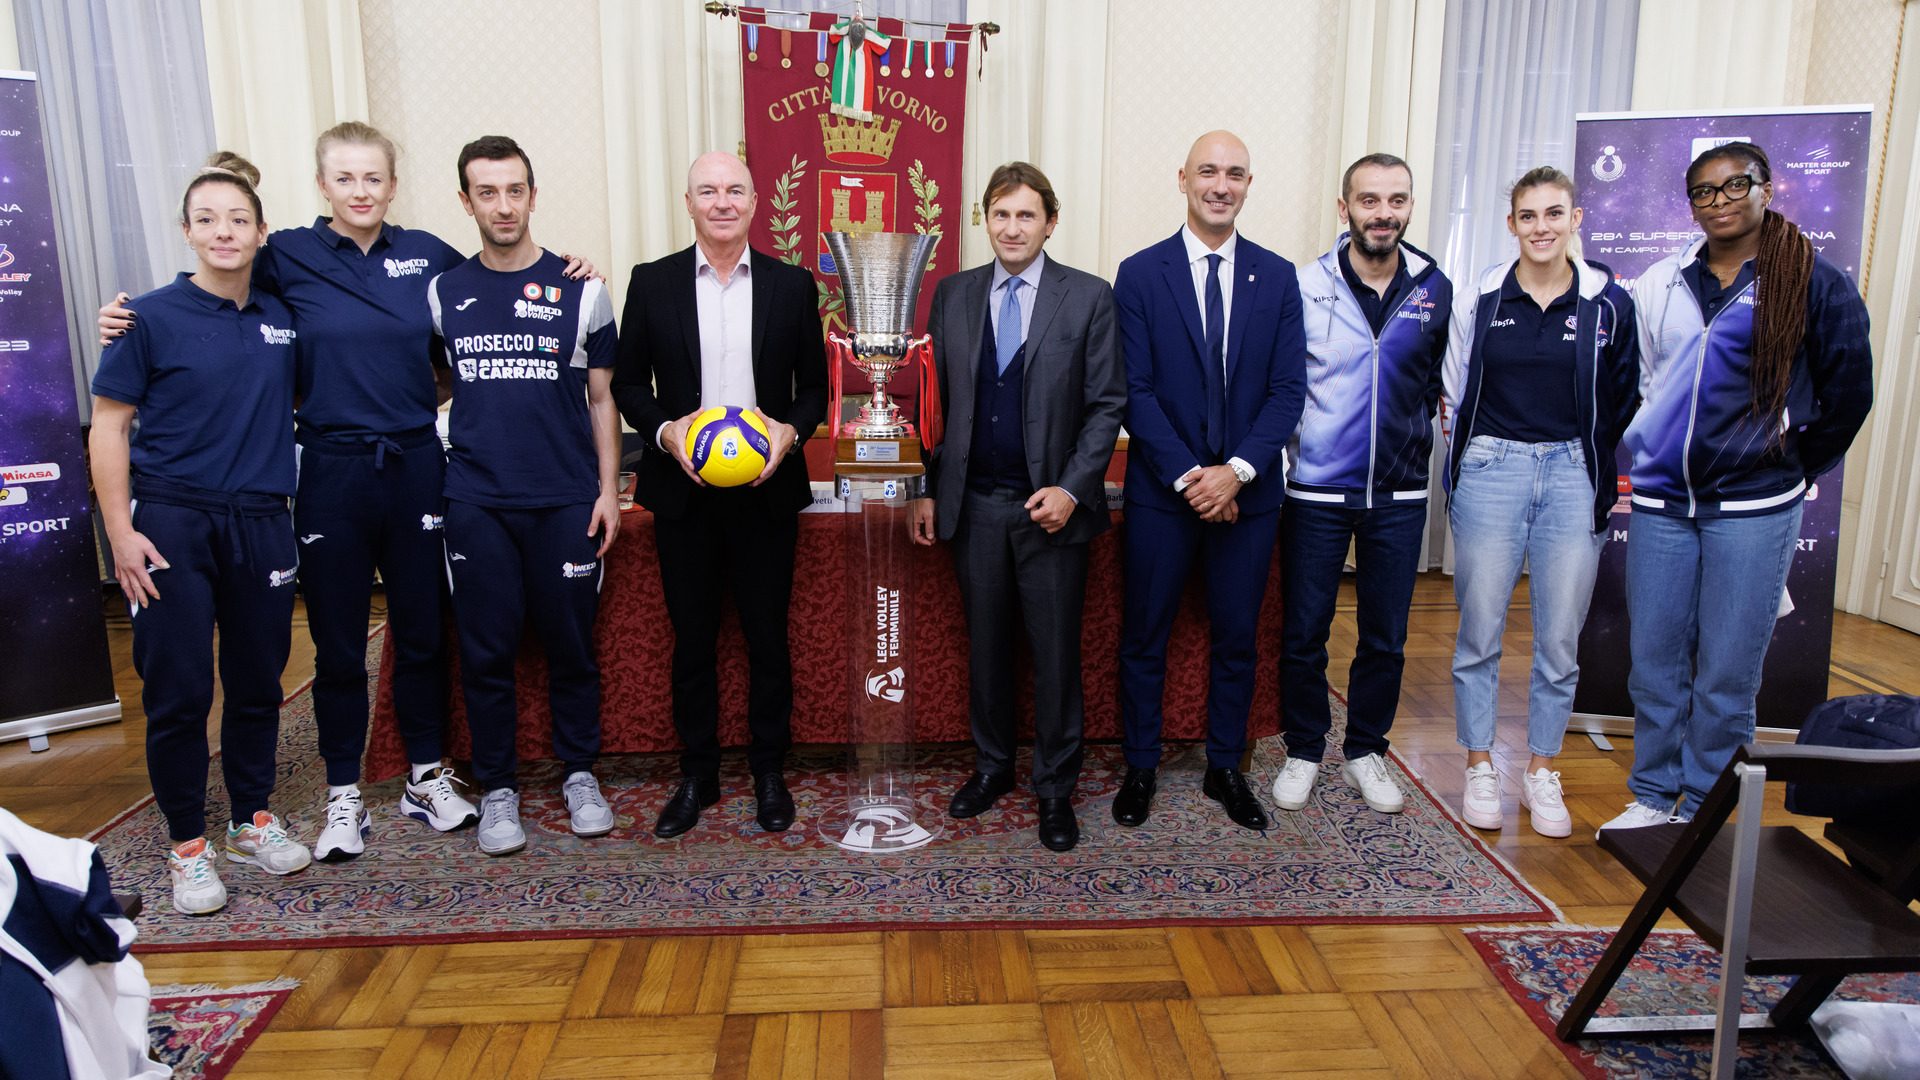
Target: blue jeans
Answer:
pixel 1702 594
pixel 1521 503
pixel 1313 550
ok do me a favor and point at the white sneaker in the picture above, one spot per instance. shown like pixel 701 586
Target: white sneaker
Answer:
pixel 197 889
pixel 500 832
pixel 438 802
pixel 263 842
pixel 587 810
pixel 1638 816
pixel 1294 785
pixel 1480 805
pixel 1368 775
pixel 1545 806
pixel 345 833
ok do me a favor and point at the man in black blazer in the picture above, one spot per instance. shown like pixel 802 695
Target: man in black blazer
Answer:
pixel 1029 370
pixel 721 324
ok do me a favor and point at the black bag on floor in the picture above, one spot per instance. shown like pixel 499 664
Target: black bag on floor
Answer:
pixel 1860 722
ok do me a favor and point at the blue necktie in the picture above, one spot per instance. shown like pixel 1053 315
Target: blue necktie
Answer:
pixel 1216 365
pixel 1006 340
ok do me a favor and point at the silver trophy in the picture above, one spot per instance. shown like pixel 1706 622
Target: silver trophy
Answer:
pixel 877 470
pixel 880 277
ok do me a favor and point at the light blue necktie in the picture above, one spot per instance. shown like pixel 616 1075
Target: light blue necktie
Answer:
pixel 1006 341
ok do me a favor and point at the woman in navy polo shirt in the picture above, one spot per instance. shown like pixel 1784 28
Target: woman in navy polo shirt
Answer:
pixel 371 470
pixel 1757 374
pixel 195 505
pixel 1538 386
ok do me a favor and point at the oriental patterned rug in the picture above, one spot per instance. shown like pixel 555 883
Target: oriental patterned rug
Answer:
pixel 1336 861
pixel 1675 974
pixel 200 1031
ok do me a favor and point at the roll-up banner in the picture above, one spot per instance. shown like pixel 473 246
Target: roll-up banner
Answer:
pixel 1632 171
pixel 54 670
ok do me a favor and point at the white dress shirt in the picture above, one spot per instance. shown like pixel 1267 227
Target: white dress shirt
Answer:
pixel 726 334
pixel 997 294
pixel 1197 252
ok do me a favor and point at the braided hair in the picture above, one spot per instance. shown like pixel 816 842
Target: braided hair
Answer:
pixel 1783 270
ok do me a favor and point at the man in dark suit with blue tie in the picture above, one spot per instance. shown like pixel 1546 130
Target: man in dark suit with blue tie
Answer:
pixel 1215 347
pixel 1028 362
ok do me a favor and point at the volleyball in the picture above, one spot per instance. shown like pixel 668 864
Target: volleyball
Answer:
pixel 728 446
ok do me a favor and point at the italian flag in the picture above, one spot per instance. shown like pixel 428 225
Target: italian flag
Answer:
pixel 854 56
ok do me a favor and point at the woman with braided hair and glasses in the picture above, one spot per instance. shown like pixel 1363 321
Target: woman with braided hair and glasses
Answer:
pixel 1756 373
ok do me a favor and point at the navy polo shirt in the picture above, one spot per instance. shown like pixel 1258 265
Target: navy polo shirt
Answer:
pixel 213 384
pixel 366 337
pixel 1372 304
pixel 520 343
pixel 1707 288
pixel 1527 390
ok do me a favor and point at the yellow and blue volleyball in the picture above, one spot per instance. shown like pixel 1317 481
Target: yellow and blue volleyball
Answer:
pixel 728 446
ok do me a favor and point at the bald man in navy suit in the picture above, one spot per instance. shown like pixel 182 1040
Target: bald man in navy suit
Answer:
pixel 1215 347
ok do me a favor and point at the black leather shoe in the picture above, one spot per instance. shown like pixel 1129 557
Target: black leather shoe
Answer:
pixel 683 808
pixel 1058 830
pixel 1228 787
pixel 773 803
pixel 978 795
pixel 1130 806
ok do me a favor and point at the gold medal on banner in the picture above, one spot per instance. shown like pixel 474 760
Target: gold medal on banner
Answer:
pixel 786 47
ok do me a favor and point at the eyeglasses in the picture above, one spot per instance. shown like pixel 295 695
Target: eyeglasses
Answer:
pixel 1735 189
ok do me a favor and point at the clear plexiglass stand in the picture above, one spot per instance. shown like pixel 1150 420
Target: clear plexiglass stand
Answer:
pixel 879 809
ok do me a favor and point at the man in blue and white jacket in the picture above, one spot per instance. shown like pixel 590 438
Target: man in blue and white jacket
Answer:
pixel 1376 312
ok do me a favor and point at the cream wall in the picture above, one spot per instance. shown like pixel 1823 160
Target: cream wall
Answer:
pixel 436 79
pixel 9 42
pixel 1309 86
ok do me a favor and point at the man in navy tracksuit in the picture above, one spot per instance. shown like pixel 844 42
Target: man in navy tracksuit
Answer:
pixel 1376 314
pixel 531 474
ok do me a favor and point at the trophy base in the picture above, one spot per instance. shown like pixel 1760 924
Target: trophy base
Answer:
pixel 860 448
pixel 879 825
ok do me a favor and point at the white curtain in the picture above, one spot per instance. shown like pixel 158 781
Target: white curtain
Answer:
pixel 1516 72
pixel 124 105
pixel 1042 100
pixel 1719 54
pixel 279 74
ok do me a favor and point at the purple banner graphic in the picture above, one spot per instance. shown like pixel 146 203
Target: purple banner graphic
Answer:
pixel 1632 169
pixel 53 641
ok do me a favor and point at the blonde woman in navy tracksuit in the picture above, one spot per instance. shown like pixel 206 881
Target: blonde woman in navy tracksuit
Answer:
pixel 195 505
pixel 1757 373
pixel 1538 385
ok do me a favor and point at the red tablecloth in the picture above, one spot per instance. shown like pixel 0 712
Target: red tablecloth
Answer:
pixel 636 647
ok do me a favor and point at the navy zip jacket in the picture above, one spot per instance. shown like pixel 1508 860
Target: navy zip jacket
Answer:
pixel 1697 449
pixel 1605 372
pixel 1366 432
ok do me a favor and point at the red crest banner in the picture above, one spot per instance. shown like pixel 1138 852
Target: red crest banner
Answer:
pixel 818 171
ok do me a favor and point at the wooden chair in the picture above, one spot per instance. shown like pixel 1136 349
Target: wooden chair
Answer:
pixel 1772 900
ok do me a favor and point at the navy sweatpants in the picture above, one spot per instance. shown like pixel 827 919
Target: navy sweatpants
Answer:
pixel 508 567
pixel 232 570
pixel 364 506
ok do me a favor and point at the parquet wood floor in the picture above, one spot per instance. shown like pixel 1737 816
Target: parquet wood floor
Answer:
pixel 1346 1001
